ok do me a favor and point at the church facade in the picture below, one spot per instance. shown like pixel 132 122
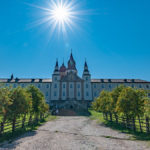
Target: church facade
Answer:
pixel 67 90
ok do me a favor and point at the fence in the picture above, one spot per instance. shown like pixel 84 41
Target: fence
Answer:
pixel 138 124
pixel 21 123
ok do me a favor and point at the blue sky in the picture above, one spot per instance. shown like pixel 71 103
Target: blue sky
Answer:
pixel 114 37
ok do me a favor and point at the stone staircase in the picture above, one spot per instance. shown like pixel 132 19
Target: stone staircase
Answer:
pixel 66 112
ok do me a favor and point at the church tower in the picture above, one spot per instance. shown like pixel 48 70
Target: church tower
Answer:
pixel 71 65
pixel 55 83
pixel 87 83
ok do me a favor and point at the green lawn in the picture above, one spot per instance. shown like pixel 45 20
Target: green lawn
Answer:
pixel 9 136
pixel 135 135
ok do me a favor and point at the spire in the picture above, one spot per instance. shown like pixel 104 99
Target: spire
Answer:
pixel 86 70
pixel 71 63
pixel 12 77
pixel 56 66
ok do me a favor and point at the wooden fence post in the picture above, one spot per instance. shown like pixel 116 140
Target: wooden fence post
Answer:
pixel 140 123
pixel 2 128
pixel 133 124
pixel 147 125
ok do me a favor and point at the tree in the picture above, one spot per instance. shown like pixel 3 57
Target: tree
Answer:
pixel 115 95
pixel 21 104
pixel 103 103
pixel 5 102
pixel 37 100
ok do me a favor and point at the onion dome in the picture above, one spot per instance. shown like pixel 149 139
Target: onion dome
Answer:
pixel 62 68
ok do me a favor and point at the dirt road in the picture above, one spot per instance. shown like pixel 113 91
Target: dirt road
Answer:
pixel 75 133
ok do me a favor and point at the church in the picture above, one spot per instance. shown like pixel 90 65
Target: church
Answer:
pixel 66 90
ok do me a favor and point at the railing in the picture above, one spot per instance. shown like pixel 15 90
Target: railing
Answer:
pixel 21 123
pixel 139 124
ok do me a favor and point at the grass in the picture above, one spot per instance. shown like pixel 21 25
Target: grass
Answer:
pixel 9 136
pixel 134 135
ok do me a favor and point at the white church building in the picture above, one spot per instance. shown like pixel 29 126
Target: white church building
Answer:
pixel 67 90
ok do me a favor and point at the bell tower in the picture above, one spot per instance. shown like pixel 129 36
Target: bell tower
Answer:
pixel 87 83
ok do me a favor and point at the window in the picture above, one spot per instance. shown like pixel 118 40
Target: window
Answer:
pixel 55 86
pixel 46 93
pixel 140 86
pixel 64 94
pixel 87 86
pixel 94 85
pixel 70 85
pixel 78 86
pixel 95 94
pixel 132 86
pixel 23 85
pixel 55 94
pixel 109 85
pixel 87 94
pixel 47 86
pixel 39 86
pixel 64 86
pixel 14 85
pixel 78 94
pixel 55 78
pixel 147 86
pixel 102 86
pixel 87 78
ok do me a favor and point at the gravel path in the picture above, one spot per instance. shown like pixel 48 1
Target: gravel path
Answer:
pixel 74 133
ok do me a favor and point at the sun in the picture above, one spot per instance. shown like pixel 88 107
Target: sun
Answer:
pixel 60 14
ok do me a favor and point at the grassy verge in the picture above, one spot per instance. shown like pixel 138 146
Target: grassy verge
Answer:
pixel 9 136
pixel 135 135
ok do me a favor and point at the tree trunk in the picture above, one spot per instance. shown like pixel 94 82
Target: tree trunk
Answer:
pixel 140 123
pixel 116 117
pixel 30 120
pixel 23 120
pixel 147 125
pixel 106 116
pixel 110 114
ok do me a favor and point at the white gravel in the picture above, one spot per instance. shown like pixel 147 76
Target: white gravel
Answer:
pixel 75 133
